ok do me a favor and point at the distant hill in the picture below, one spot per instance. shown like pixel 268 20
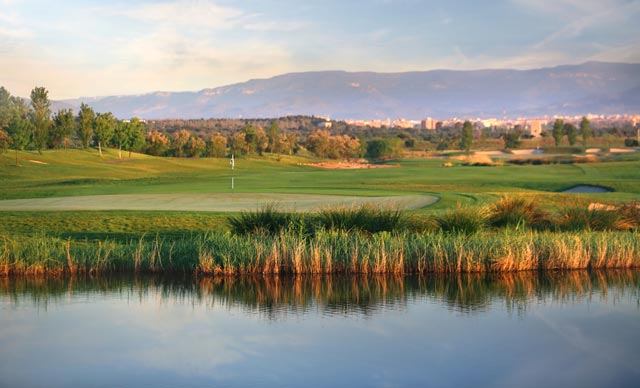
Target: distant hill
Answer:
pixel 592 87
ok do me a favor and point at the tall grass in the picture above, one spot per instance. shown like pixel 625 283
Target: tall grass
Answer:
pixel 518 212
pixel 325 252
pixel 464 220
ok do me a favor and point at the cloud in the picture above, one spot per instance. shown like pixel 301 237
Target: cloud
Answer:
pixel 183 13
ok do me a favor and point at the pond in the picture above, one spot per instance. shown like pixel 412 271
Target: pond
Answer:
pixel 525 329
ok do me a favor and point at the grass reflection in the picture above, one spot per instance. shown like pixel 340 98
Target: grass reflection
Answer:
pixel 273 296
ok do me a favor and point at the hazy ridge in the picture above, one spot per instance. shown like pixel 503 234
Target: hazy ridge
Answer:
pixel 592 87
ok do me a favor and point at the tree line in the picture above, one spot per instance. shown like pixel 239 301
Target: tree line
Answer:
pixel 31 125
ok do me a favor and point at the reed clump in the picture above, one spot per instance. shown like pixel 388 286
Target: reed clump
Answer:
pixel 464 220
pixel 518 212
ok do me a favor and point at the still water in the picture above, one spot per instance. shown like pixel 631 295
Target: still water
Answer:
pixel 575 329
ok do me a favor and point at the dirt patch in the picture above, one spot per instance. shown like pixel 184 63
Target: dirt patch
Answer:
pixel 475 160
pixel 349 166
pixel 37 161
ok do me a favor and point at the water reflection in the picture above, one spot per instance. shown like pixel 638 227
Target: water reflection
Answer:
pixel 274 297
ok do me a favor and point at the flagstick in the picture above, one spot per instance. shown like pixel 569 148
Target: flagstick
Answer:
pixel 233 178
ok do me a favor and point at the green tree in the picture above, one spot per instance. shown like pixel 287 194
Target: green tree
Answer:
pixel 274 138
pixel 20 129
pixel 120 135
pixel 63 127
pixel 572 133
pixel 558 131
pixel 511 139
pixel 86 123
pixel 585 131
pixel 41 116
pixel 6 107
pixel 384 148
pixel 134 139
pixel 466 139
pixel 105 125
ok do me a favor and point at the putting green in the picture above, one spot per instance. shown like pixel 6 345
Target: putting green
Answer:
pixel 212 202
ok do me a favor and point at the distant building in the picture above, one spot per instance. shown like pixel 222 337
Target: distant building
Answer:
pixel 535 127
pixel 325 124
pixel 402 123
pixel 428 124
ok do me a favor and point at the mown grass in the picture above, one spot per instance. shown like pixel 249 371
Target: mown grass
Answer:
pixel 78 172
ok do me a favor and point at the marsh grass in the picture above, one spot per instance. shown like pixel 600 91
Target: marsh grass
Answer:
pixel 518 212
pixel 464 220
pixel 365 218
pixel 327 252
pixel 583 218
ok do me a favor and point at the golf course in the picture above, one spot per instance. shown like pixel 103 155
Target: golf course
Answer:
pixel 73 210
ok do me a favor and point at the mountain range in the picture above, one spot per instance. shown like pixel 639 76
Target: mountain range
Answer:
pixel 592 87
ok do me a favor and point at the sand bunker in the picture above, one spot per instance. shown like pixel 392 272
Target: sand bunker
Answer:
pixel 212 202
pixel 349 166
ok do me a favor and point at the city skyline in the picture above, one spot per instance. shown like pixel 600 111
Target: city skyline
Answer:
pixel 90 48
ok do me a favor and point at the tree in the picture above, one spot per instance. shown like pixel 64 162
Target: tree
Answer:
pixel 134 137
pixel 239 144
pixel 195 147
pixel 86 122
pixel 179 142
pixel 384 148
pixel 6 107
pixel 466 139
pixel 217 146
pixel 105 125
pixel 41 116
pixel 511 139
pixel 5 141
pixel 274 138
pixel 119 135
pixel 558 131
pixel 572 133
pixel 63 126
pixel 19 129
pixel 157 143
pixel 319 143
pixel 261 141
pixel 585 131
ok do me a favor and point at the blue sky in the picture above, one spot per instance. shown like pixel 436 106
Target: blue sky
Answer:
pixel 89 48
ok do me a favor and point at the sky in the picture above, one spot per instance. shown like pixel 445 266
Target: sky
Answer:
pixel 96 48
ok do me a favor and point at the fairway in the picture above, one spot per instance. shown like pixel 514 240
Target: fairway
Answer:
pixel 212 202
